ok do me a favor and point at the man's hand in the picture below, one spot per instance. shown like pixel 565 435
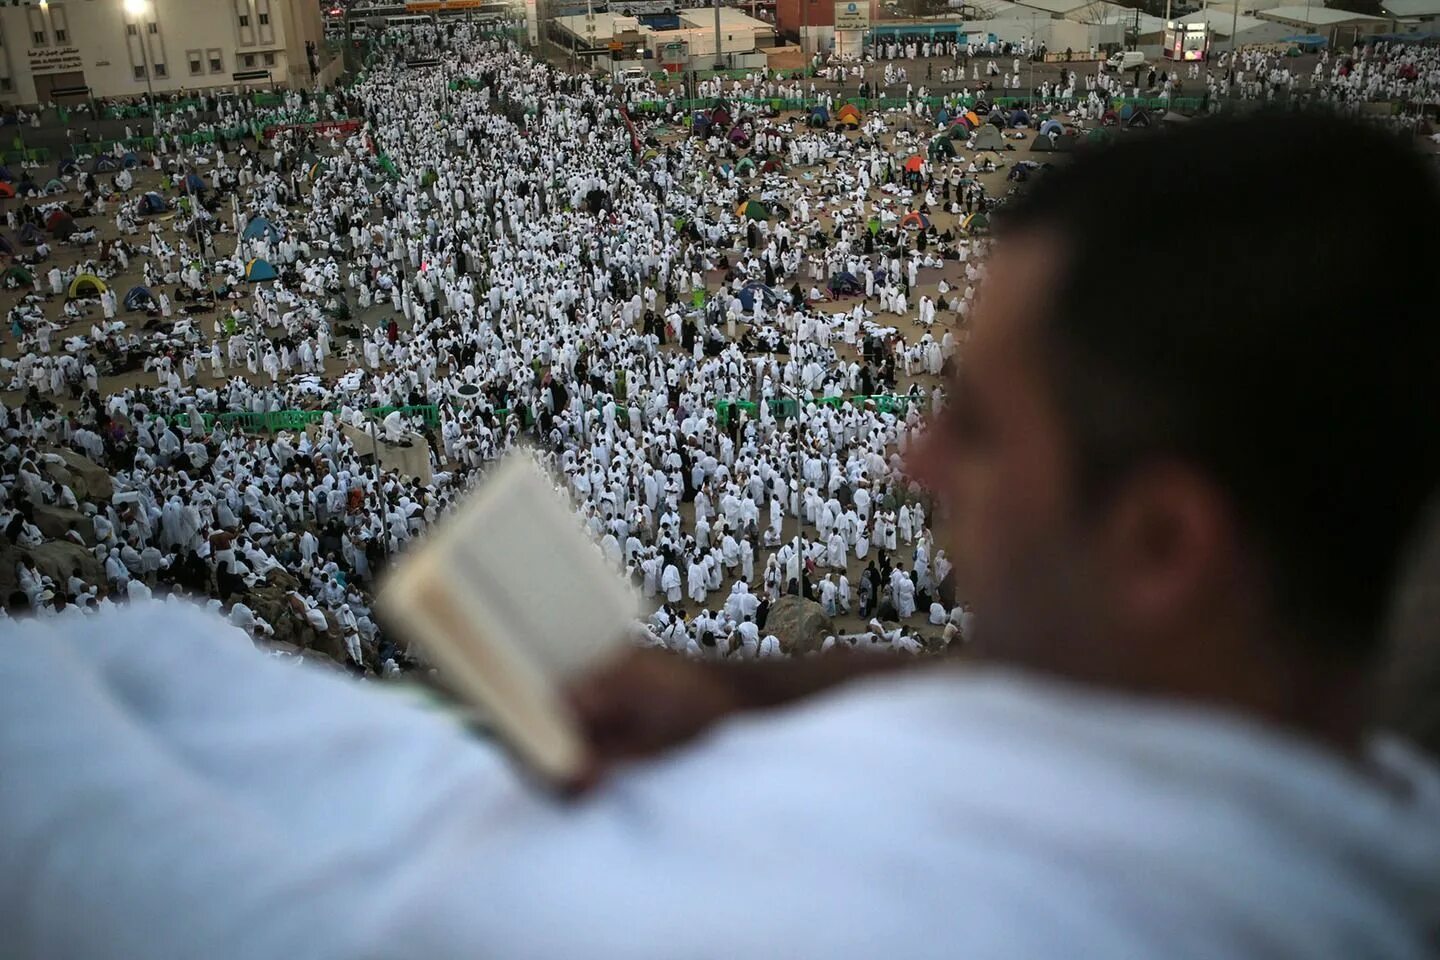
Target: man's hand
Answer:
pixel 650 701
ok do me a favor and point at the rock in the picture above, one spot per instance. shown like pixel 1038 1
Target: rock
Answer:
pixel 54 522
pixel 272 602
pixel 88 479
pixel 799 624
pixel 59 558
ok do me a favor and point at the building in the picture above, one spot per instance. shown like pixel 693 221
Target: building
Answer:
pixel 71 49
pixel 1342 27
pixel 1414 16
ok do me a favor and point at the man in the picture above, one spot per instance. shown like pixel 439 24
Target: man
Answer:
pixel 1178 530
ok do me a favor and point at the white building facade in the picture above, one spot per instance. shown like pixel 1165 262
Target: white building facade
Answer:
pixel 53 51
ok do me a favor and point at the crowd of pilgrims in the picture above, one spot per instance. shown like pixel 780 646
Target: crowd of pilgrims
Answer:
pixel 530 276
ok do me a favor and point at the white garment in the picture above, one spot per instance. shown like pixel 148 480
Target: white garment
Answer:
pixel 1143 829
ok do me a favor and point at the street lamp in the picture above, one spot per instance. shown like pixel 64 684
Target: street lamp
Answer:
pixel 136 8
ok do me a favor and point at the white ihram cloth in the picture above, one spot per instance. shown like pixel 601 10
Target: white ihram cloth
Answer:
pixel 168 792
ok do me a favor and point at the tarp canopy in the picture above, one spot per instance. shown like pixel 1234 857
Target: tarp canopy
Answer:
pixel 753 210
pixel 915 220
pixel 258 271
pixel 261 227
pixel 86 285
pixel 19 275
pixel 139 298
pixel 151 202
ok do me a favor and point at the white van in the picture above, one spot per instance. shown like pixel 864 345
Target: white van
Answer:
pixel 1126 60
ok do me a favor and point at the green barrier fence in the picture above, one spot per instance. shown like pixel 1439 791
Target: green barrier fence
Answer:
pixel 785 407
pixel 276 420
pixel 36 155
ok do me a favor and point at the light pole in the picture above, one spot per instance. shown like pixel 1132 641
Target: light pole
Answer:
pixel 136 8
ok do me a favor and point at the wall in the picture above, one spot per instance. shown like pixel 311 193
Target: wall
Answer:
pixel 98 43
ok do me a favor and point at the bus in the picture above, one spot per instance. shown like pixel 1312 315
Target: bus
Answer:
pixel 643 8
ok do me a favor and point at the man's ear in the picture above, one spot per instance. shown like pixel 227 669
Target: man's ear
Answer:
pixel 1168 543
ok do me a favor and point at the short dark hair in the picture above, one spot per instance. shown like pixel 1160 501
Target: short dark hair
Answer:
pixel 1229 298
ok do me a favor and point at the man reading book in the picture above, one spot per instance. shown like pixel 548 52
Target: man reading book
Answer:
pixel 1178 490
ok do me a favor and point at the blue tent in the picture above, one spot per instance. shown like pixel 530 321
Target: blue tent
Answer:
pixel 31 234
pixel 1019 119
pixel 67 168
pixel 755 289
pixel 1052 126
pixel 820 113
pixel 151 202
pixel 139 298
pixel 258 271
pixel 130 161
pixel 105 164
pixel 260 227
pixel 193 183
pixel 6 175
pixel 942 117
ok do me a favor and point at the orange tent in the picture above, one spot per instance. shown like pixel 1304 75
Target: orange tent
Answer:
pixel 849 113
pixel 914 164
pixel 6 190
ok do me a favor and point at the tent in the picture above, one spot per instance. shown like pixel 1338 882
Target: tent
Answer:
pixel 261 227
pixel 738 135
pixel 314 170
pixel 130 161
pixel 975 223
pixel 6 175
pixel 850 115
pixel 1098 135
pixel 1019 118
pixel 987 137
pixel 998 118
pixel 915 220
pixel 105 164
pixel 701 125
pixel 139 298
pixel 67 168
pixel 56 217
pixel 755 289
pixel 845 282
pixel 1139 119
pixel 720 115
pixel 959 130
pixel 86 285
pixel 753 210
pixel 914 164
pixel 1172 117
pixel 941 148
pixel 1052 126
pixel 193 183
pixel 55 186
pixel 942 117
pixel 773 165
pixel 6 247
pixel 7 190
pixel 258 271
pixel 63 229
pixel 151 202
pixel 746 166
pixel 31 234
pixel 820 116
pixel 1060 144
pixel 18 276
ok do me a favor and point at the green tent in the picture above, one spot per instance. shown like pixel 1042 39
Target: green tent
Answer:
pixel 1098 135
pixel 753 210
pixel 20 276
pixel 746 165
pixel 941 148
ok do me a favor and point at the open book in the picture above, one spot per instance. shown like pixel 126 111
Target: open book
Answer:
pixel 511 599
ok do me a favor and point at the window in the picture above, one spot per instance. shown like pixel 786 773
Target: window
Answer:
pixel 152 27
pixel 196 66
pixel 269 59
pixel 6 83
pixel 244 19
pixel 264 19
pixel 217 64
pixel 39 37
pixel 139 72
pixel 159 69
pixel 62 36
pixel 131 29
pixel 249 59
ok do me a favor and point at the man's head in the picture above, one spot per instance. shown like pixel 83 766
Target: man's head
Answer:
pixel 1196 421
